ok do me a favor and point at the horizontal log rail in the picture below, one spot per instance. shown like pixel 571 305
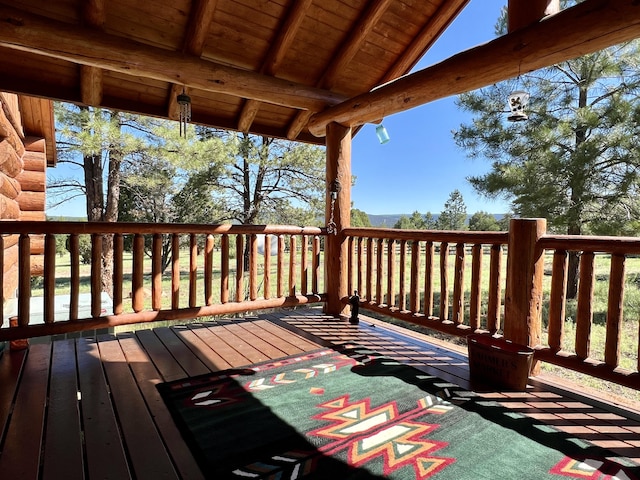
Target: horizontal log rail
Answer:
pixel 159 272
pixel 421 276
pixel 600 260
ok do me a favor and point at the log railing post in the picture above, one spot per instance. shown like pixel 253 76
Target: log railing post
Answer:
pixel 525 269
pixel 338 176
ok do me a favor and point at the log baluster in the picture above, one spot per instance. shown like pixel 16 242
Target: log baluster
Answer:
pixel 391 272
pixel 118 273
pixel 224 269
pixel 495 289
pixel 281 265
pixel 360 261
pixel 253 267
pixel 558 299
pixel 316 264
pixel 379 272
pixel 239 268
pixel 351 272
pixel 292 265
pixel 475 298
pixel 156 272
pixel 267 267
pixel 175 271
pixel 414 294
pixel 615 310
pixel 304 264
pixel 428 278
pixel 96 274
pixel 584 315
pixel 193 270
pixel 208 269
pixel 137 285
pixel 458 285
pixel 444 281
pixel 369 291
pixel 74 254
pixel 49 277
pixel 402 303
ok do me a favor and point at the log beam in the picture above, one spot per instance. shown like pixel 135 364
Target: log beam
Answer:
pixel 32 33
pixel 522 13
pixel 585 28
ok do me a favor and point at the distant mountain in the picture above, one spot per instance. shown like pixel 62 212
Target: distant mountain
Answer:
pixel 388 221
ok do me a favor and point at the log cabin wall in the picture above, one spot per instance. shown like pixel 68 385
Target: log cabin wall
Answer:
pixel 23 161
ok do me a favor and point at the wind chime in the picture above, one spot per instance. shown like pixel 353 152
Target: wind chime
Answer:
pixel 184 104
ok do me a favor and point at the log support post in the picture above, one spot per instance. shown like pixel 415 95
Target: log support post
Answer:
pixel 525 269
pixel 338 213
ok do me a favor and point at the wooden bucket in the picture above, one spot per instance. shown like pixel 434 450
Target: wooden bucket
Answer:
pixel 498 362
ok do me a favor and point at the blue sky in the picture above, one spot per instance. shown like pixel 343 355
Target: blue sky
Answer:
pixel 421 165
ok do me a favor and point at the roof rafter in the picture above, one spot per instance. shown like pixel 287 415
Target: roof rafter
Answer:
pixel 284 39
pixel 345 54
pixel 585 28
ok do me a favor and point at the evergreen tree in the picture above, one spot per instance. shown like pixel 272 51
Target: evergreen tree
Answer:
pixel 454 215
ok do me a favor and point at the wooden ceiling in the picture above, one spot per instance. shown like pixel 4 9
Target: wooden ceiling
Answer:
pixel 260 66
pixel 282 68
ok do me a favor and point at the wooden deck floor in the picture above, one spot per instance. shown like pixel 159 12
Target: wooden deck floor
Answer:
pixel 88 407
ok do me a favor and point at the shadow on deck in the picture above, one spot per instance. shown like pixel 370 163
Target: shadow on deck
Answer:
pixel 88 407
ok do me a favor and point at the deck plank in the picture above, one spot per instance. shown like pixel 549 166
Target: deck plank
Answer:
pixel 191 364
pixel 281 339
pixel 209 334
pixel 201 349
pixel 10 367
pixel 63 456
pixel 147 377
pixel 105 453
pixel 21 453
pixel 147 452
pixel 168 367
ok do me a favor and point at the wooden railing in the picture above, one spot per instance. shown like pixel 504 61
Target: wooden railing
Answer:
pixel 611 254
pixel 212 270
pixel 422 276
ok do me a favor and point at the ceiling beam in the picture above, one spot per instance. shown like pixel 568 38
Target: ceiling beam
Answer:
pixel 585 28
pixel 31 33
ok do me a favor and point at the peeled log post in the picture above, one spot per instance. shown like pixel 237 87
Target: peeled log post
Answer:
pixel 338 198
pixel 525 268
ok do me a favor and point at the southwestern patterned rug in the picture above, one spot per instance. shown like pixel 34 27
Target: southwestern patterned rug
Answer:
pixel 355 415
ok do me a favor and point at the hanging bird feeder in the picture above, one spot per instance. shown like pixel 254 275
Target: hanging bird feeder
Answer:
pixel 518 102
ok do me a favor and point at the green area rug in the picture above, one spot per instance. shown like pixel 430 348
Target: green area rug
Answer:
pixel 355 415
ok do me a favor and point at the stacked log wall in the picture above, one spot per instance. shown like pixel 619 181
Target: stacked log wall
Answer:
pixel 22 190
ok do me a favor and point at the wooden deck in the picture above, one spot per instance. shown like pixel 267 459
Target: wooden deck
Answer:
pixel 88 407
